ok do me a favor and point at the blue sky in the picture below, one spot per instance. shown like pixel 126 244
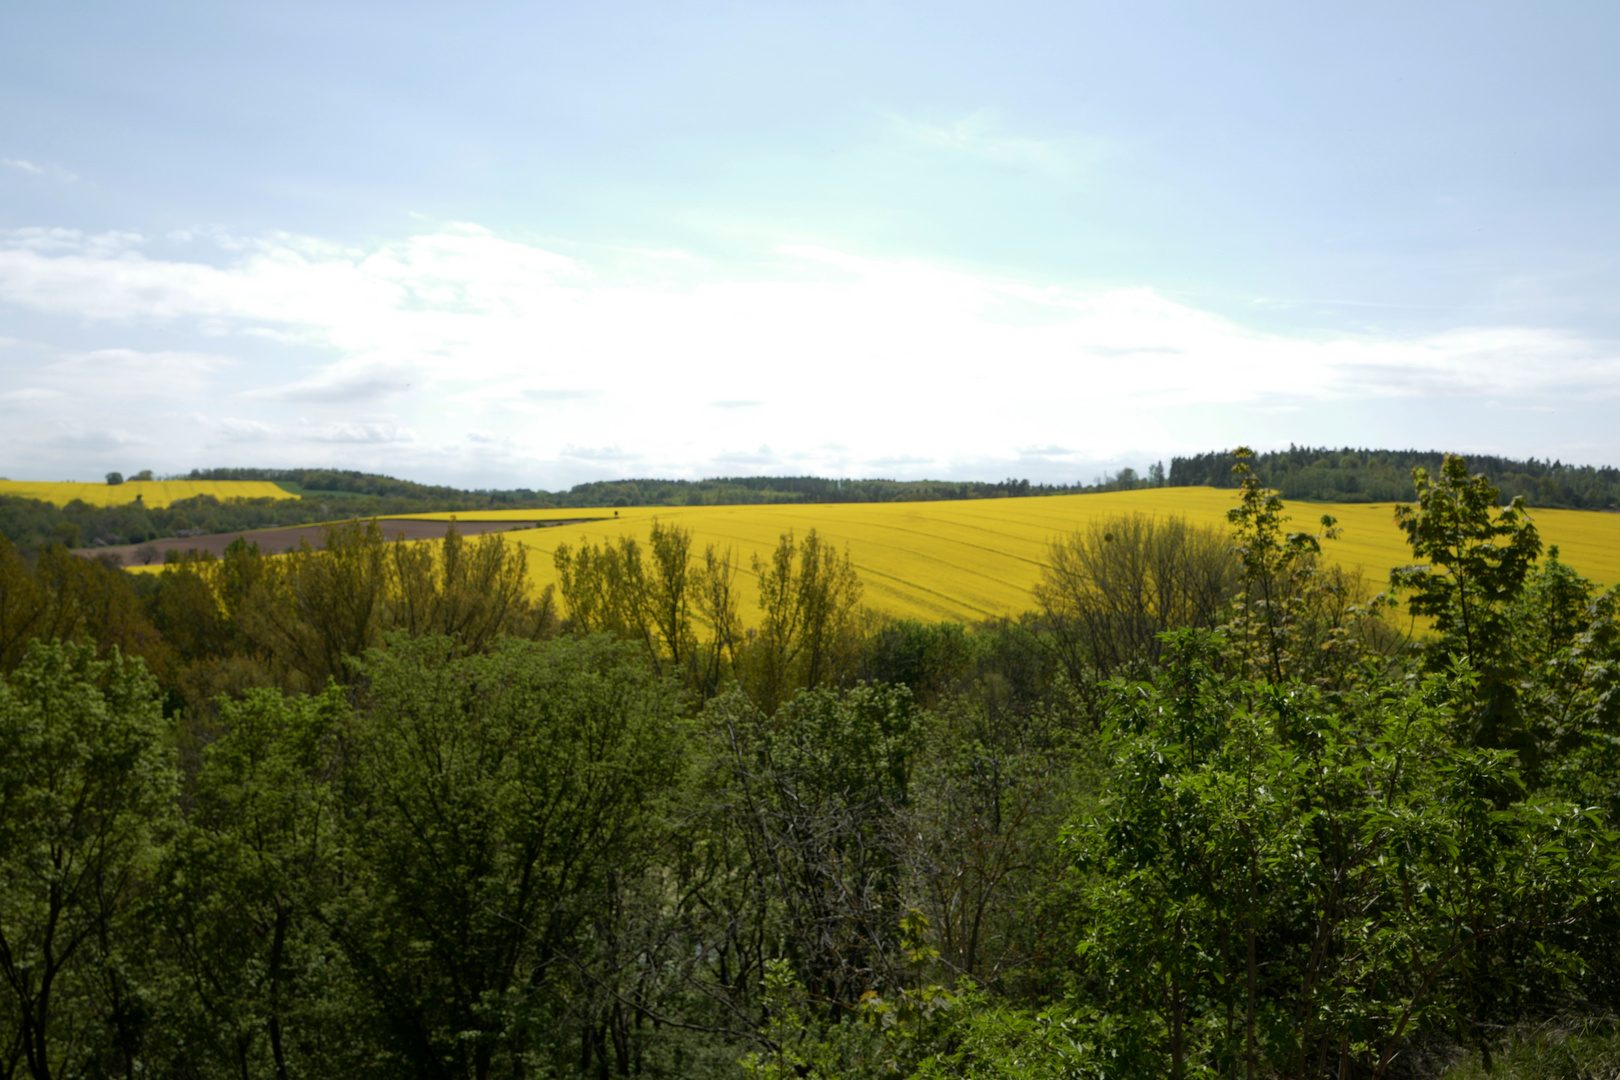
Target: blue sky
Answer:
pixel 539 244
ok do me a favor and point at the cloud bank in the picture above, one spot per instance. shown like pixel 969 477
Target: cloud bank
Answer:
pixel 458 353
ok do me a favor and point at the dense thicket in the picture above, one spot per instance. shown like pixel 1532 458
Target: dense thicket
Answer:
pixel 379 811
pixel 1361 475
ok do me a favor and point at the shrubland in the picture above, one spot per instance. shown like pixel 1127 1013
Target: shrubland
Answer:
pixel 1205 810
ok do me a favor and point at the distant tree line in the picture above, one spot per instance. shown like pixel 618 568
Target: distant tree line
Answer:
pixel 320 495
pixel 1361 475
pixel 739 490
pixel 350 482
pixel 34 524
pixel 724 490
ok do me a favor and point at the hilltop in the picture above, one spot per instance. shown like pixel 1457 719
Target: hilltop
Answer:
pixel 1350 474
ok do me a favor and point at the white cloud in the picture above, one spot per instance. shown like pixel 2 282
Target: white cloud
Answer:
pixel 55 172
pixel 840 362
pixel 30 393
pixel 982 135
pixel 609 454
pixel 549 394
pixel 239 429
pixel 352 432
pixel 341 386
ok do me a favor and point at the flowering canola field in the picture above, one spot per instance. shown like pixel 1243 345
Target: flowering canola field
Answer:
pixel 978 559
pixel 154 493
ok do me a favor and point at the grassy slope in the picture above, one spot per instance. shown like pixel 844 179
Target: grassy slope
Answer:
pixel 154 493
pixel 977 559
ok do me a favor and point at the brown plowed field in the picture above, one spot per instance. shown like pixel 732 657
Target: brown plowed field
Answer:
pixel 277 541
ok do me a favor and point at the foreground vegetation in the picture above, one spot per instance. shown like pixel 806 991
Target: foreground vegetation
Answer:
pixel 387 810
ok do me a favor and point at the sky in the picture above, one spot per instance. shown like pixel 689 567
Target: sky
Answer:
pixel 532 245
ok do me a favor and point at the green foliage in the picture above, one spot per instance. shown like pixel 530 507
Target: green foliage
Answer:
pixel 1477 555
pixel 309 613
pixel 1564 655
pixel 743 490
pixel 929 659
pixel 1475 560
pixel 1278 569
pixel 241 893
pixel 1284 878
pixel 86 792
pixel 809 597
pixel 1550 1051
pixel 813 792
pixel 63 597
pixel 1292 617
pixel 438 847
pixel 611 589
pixel 494 800
pixel 1001 1043
pixel 808 634
pixel 1108 593
pixel 882 1037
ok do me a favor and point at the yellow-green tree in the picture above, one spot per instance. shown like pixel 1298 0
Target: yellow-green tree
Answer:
pixel 809 601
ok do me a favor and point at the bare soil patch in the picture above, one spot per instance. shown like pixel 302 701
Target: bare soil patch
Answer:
pixel 278 541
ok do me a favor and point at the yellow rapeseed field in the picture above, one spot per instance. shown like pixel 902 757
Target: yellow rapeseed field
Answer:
pixel 978 559
pixel 154 493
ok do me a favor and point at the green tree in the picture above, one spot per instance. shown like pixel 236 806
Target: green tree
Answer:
pixel 492 799
pixel 1293 617
pixel 614 589
pixel 814 793
pixel 86 791
pixel 310 612
pixel 472 591
pixel 606 590
pixel 809 598
pixel 65 597
pixel 1108 591
pixel 24 605
pixel 714 595
pixel 1475 556
pixel 1286 879
pixel 240 894
pixel 311 609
